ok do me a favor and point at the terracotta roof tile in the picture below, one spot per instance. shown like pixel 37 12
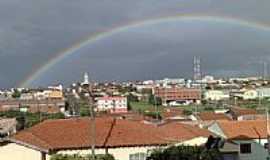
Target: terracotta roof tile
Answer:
pixel 208 116
pixel 250 129
pixel 242 111
pixel 76 133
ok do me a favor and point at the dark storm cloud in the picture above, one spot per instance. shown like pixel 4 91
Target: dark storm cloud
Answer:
pixel 32 31
pixel 146 54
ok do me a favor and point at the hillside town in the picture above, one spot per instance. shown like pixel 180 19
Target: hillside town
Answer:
pixel 129 119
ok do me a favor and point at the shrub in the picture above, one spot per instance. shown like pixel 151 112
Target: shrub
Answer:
pixel 80 157
pixel 184 153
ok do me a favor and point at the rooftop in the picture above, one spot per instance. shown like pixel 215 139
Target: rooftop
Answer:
pixel 209 116
pixel 250 129
pixel 76 133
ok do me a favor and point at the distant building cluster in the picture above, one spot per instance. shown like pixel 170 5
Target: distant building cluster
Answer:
pixel 177 112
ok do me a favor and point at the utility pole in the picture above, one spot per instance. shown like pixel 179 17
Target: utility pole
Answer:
pixel 265 70
pixel 267 132
pixel 156 107
pixel 92 119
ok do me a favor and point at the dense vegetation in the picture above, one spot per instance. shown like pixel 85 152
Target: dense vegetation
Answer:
pixel 184 153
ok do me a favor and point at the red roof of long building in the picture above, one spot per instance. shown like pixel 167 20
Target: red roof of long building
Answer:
pixel 76 133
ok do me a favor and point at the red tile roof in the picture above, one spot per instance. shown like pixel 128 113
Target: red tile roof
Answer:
pixel 237 111
pixel 75 133
pixel 250 129
pixel 172 112
pixel 209 116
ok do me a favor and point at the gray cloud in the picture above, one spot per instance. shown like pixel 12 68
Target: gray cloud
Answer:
pixel 33 31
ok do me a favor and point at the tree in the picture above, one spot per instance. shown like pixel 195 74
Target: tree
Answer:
pixel 16 94
pixel 187 112
pixel 154 100
pixel 132 98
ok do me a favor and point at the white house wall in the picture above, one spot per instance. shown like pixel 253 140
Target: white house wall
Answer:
pixel 258 152
pixel 118 153
pixel 13 151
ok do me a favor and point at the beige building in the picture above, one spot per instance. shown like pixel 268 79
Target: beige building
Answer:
pixel 124 139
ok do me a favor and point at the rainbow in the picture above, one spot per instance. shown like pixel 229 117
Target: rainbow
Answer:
pixel 106 34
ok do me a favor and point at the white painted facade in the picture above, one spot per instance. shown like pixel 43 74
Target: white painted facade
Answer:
pixel 112 104
pixel 263 92
pixel 250 94
pixel 122 153
pixel 216 95
pixel 13 151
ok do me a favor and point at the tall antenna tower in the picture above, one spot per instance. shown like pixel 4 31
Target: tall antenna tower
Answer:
pixel 265 70
pixel 197 68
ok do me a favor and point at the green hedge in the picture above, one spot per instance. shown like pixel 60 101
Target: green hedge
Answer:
pixel 184 153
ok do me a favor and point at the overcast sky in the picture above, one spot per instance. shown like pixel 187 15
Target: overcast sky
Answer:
pixel 34 31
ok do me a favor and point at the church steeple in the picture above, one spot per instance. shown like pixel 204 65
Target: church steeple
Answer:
pixel 86 78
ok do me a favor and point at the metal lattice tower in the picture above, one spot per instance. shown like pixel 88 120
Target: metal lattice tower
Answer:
pixel 197 68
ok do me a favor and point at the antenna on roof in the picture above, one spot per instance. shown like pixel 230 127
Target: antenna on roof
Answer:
pixel 267 131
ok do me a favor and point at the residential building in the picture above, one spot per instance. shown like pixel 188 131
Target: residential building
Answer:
pixel 237 113
pixel 27 96
pixel 48 106
pixel 181 95
pixel 124 139
pixel 263 92
pixel 250 94
pixel 212 116
pixel 48 94
pixel 250 136
pixel 216 95
pixel 7 127
pixel 115 104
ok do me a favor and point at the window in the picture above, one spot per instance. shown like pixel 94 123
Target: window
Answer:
pixel 266 145
pixel 245 148
pixel 137 156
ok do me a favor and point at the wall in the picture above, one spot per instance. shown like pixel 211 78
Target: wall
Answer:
pixel 13 151
pixel 258 152
pixel 217 130
pixel 118 153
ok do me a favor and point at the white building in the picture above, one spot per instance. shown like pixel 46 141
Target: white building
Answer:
pixel 112 104
pixel 216 95
pixel 250 94
pixel 263 92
